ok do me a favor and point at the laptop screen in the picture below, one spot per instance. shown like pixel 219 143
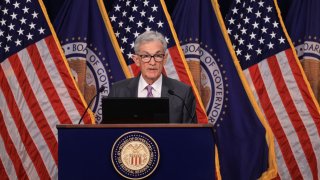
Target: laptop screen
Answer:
pixel 124 110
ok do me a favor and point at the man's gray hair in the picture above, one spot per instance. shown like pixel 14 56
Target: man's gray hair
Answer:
pixel 149 36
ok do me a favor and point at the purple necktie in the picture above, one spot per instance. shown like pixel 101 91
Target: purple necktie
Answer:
pixel 149 89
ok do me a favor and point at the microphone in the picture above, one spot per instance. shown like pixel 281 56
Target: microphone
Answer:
pixel 98 92
pixel 171 92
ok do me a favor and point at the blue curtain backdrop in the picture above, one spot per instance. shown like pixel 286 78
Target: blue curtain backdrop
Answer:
pixel 53 6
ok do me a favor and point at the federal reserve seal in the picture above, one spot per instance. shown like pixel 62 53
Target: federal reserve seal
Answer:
pixel 212 78
pixel 135 155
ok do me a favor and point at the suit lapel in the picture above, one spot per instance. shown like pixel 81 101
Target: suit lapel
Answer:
pixel 133 87
pixel 165 87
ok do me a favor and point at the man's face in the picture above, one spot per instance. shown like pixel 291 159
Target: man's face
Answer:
pixel 151 70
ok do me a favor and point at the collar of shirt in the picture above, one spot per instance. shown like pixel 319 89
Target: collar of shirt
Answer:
pixel 156 91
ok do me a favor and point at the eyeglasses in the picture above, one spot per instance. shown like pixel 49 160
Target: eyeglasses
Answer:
pixel 147 58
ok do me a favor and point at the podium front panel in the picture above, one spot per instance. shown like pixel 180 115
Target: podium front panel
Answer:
pixel 185 151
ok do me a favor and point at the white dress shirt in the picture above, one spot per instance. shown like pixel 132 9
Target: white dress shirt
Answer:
pixel 156 87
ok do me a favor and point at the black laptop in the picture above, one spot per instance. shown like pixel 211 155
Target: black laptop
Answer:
pixel 120 110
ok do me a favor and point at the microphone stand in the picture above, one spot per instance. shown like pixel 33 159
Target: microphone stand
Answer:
pixel 99 91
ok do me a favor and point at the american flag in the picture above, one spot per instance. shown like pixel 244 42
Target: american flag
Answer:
pixel 37 92
pixel 131 18
pixel 279 85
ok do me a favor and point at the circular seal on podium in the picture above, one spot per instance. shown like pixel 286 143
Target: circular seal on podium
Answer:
pixel 135 155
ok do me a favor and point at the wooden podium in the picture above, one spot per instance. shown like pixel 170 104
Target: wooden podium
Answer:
pixel 185 151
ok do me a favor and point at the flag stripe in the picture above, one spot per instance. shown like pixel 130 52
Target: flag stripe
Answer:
pixel 33 104
pixel 47 84
pixel 37 86
pixel 134 69
pixel 292 112
pixel 170 66
pixel 313 110
pixel 3 173
pixel 14 161
pixel 179 65
pixel 270 80
pixel 169 69
pixel 26 112
pixel 13 131
pixel 26 139
pixel 269 111
pixel 307 49
pixel 281 163
pixel 252 87
pixel 305 107
pixel 71 99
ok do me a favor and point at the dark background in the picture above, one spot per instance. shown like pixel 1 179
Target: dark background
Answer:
pixel 53 6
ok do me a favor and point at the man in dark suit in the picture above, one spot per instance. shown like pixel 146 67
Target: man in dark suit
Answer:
pixel 150 55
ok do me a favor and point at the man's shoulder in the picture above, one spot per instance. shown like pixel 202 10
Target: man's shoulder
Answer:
pixel 176 83
pixel 124 82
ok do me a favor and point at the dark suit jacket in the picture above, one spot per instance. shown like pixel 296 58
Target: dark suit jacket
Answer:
pixel 177 112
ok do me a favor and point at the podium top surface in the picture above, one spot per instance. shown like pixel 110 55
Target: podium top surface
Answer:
pixel 77 126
